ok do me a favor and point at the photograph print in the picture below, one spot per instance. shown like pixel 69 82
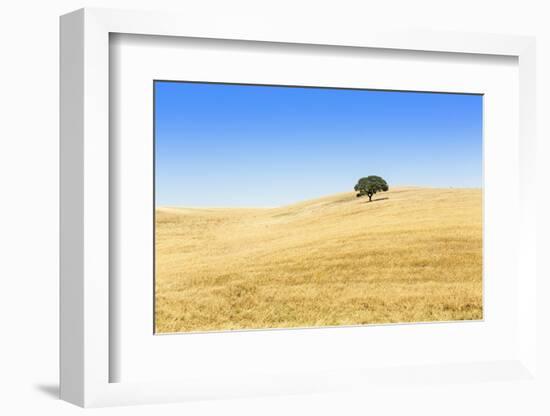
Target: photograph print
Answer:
pixel 300 207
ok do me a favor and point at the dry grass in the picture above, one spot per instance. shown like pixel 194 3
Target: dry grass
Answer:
pixel 411 255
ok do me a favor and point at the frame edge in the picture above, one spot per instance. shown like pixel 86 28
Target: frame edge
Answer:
pixel 71 201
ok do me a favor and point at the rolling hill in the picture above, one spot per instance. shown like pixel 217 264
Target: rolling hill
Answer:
pixel 410 255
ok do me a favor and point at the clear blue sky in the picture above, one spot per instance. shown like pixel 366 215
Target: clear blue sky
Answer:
pixel 238 145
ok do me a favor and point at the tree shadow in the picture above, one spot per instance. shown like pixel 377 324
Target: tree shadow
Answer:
pixel 378 199
pixel 51 390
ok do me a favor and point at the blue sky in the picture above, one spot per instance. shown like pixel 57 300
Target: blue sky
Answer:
pixel 256 146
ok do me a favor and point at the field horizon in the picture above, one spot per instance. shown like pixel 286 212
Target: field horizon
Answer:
pixel 413 254
pixel 378 196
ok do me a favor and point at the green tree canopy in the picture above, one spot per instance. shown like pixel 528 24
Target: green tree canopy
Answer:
pixel 370 185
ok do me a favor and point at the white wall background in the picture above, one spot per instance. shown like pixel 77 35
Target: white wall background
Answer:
pixel 29 205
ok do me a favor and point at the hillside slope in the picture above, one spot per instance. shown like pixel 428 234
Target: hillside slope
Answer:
pixel 413 254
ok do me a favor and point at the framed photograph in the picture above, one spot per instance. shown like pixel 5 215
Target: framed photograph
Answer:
pixel 249 210
pixel 269 248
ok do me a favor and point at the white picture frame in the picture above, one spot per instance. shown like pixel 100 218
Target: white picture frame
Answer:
pixel 87 355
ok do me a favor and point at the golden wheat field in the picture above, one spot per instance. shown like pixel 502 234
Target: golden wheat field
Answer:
pixel 410 255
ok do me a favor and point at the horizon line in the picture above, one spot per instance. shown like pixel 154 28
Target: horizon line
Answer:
pixel 156 206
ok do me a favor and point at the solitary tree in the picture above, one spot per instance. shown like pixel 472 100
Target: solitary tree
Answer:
pixel 370 185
